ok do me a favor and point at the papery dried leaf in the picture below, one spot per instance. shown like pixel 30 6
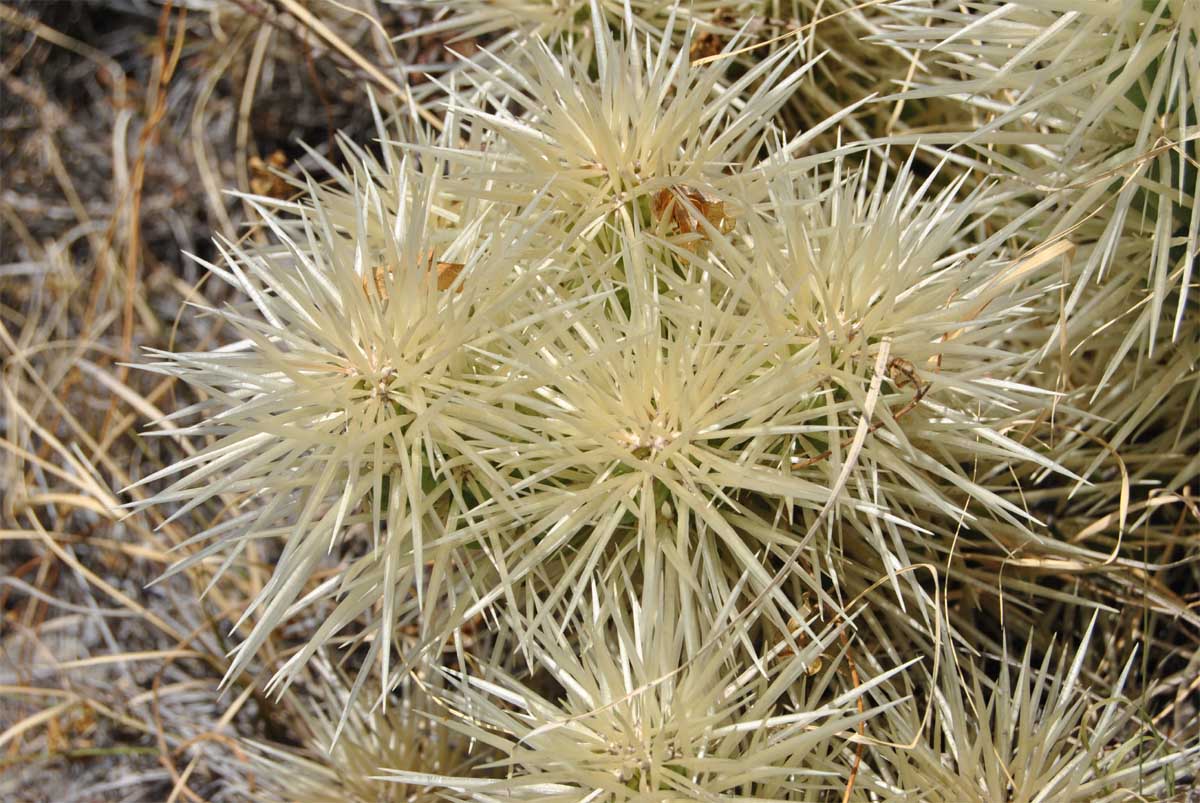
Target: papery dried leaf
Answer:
pixel 705 45
pixel 380 275
pixel 679 203
pixel 264 178
pixel 446 273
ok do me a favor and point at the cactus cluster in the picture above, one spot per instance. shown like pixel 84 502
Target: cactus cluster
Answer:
pixel 661 424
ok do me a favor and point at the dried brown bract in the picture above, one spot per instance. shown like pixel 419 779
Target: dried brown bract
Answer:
pixel 687 206
pixel 265 178
pixel 446 273
pixel 707 44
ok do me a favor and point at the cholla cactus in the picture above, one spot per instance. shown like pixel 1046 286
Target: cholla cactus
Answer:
pixel 1040 735
pixel 361 396
pixel 1113 83
pixel 576 25
pixel 616 366
pixel 703 416
pixel 641 141
pixel 342 756
pixel 639 719
pixel 845 264
pixel 555 354
pixel 567 22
